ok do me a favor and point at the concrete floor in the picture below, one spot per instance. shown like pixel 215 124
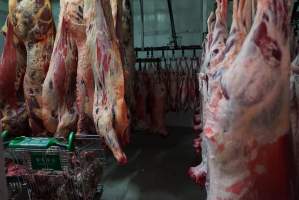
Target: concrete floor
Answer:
pixel 157 169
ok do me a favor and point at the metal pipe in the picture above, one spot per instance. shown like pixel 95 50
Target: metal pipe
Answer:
pixel 168 48
pixel 142 22
pixel 148 60
pixel 174 36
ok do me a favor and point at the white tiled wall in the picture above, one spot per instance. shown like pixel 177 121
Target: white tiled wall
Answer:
pixel 3 13
pixel 187 18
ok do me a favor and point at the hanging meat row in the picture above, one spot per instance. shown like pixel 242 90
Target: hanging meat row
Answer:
pixel 167 86
pixel 73 80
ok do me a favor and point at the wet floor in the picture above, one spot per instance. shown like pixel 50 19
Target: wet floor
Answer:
pixel 157 169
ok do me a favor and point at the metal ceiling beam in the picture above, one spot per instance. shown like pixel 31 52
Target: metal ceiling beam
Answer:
pixel 174 36
pixel 168 48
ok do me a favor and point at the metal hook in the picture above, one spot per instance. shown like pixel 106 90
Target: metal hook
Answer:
pixel 136 54
pixel 173 53
pixel 140 67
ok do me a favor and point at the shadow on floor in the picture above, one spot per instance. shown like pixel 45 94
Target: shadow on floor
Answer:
pixel 157 169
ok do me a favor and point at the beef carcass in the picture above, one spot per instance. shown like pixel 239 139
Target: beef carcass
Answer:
pixel 193 90
pixel 157 100
pixel 141 114
pixel 195 103
pixel 109 108
pixel 129 52
pixel 183 89
pixel 123 23
pixel 33 25
pixel 59 109
pixel 247 122
pixel 173 85
pixel 239 29
pixel 215 46
pixel 14 117
pixel 69 88
pixel 197 116
pixel 294 109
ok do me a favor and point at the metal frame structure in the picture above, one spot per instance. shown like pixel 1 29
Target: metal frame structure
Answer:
pixel 142 22
pixel 150 52
pixel 173 44
pixel 168 48
pixel 174 36
pixel 173 31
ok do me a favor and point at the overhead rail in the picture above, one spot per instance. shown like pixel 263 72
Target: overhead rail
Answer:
pixel 168 48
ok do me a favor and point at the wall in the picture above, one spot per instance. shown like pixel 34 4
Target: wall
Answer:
pixel 157 22
pixel 189 18
pixel 3 14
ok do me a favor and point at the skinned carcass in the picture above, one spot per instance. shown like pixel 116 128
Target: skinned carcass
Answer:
pixel 215 46
pixel 294 115
pixel 239 29
pixel 30 24
pixel 198 111
pixel 173 84
pixel 127 33
pixel 13 113
pixel 123 23
pixel 199 173
pixel 247 126
pixel 183 85
pixel 109 108
pixel 157 100
pixel 141 114
pixel 193 90
pixel 69 88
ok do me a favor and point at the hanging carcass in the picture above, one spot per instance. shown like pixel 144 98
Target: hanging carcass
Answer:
pixel 28 46
pixel 247 126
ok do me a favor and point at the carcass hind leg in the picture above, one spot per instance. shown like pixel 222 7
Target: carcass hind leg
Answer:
pixel 85 92
pixel 38 58
pixel 103 118
pixel 12 69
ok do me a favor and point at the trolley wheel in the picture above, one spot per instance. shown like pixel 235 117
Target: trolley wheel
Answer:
pixel 99 192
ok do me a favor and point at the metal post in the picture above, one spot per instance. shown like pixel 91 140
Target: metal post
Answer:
pixel 174 37
pixel 142 23
pixel 3 188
